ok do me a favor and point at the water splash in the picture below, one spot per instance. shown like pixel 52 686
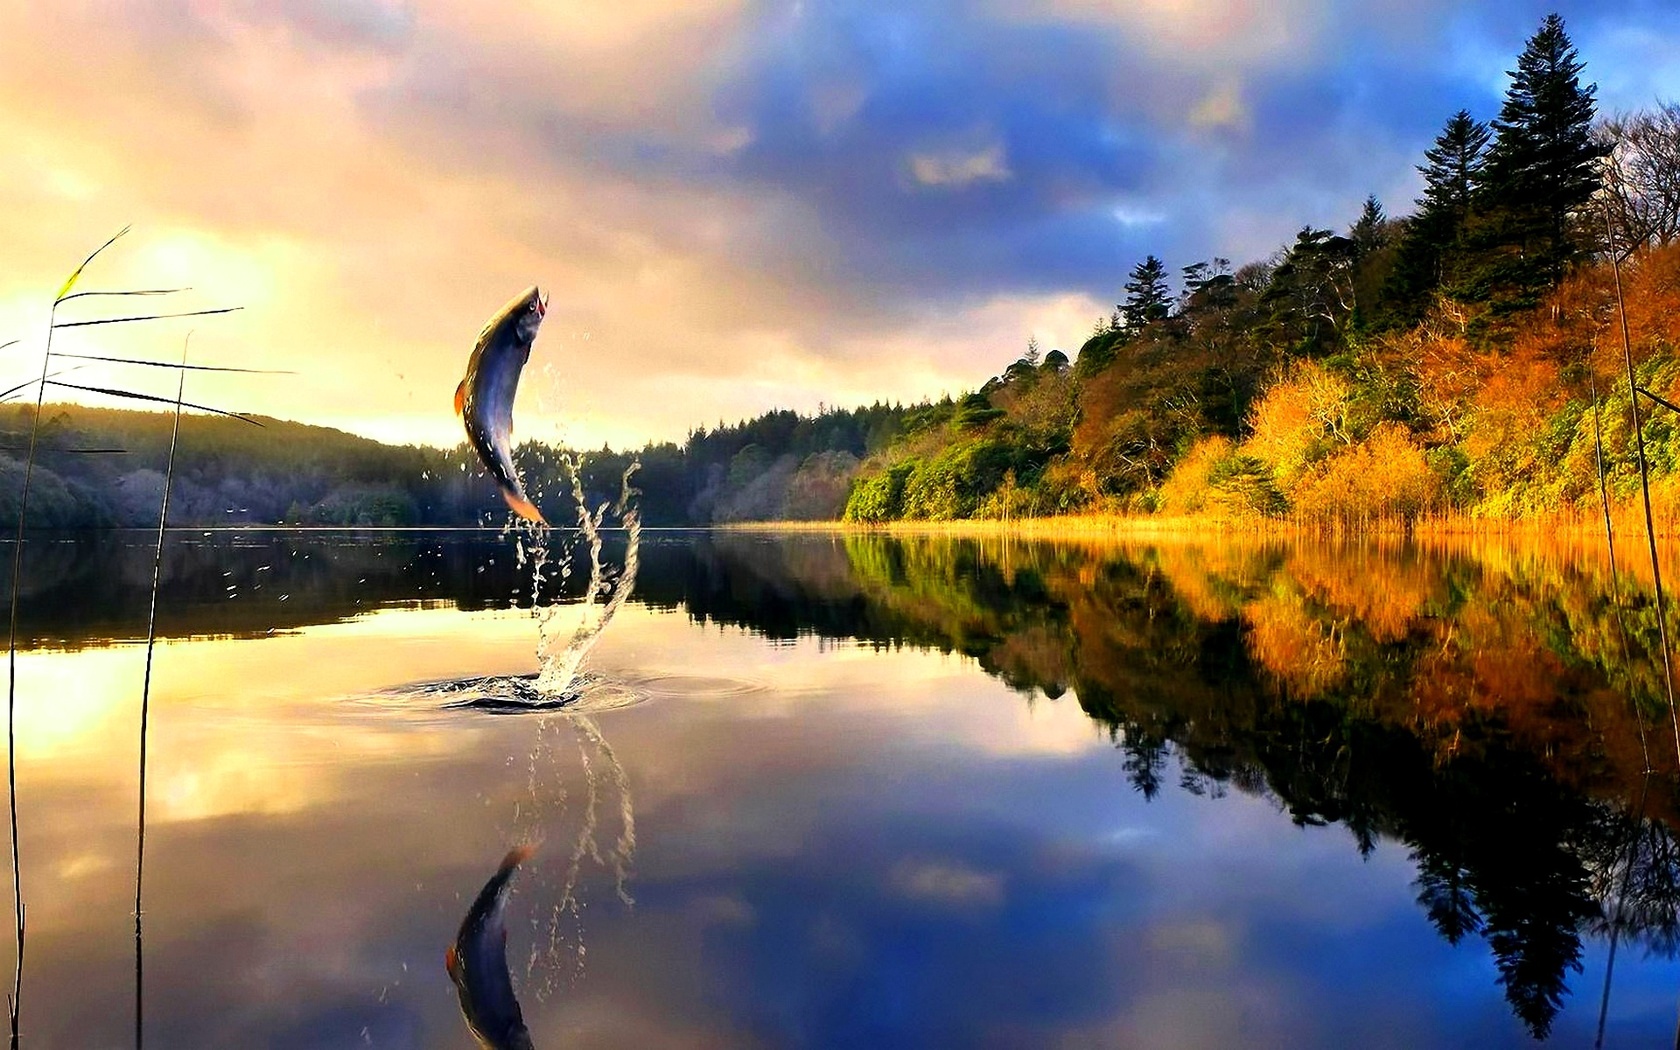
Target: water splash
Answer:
pixel 605 594
pixel 559 951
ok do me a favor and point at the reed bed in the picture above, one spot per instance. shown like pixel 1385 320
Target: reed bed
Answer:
pixel 67 293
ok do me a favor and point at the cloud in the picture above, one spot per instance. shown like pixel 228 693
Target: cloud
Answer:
pixel 1221 107
pixel 960 169
pixel 948 884
pixel 737 205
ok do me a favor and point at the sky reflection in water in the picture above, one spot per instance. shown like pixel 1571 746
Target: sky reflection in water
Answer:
pixel 842 840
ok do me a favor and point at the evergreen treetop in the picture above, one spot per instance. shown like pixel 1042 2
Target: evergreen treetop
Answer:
pixel 1542 164
pixel 1454 169
pixel 1147 297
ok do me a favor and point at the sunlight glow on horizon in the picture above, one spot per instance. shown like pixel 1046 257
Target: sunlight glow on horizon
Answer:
pixel 751 222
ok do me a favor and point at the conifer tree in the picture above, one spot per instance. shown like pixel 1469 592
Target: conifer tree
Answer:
pixel 1369 232
pixel 1454 170
pixel 1541 169
pixel 1147 297
pixel 1430 253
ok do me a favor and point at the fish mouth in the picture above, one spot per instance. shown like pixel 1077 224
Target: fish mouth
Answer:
pixel 542 304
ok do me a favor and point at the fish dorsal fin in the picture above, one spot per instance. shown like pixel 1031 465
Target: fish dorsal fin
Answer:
pixel 461 397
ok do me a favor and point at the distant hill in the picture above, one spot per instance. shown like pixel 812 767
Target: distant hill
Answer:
pixel 101 467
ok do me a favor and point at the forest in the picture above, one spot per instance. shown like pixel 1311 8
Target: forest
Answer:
pixel 1462 360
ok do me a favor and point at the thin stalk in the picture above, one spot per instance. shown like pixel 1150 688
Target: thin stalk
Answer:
pixel 145 317
pixel 6 394
pixel 145 713
pixel 129 291
pixel 1616 913
pixel 112 392
pixel 1615 574
pixel 1644 487
pixel 166 364
pixel 14 1002
pixel 1663 401
pixel 1627 659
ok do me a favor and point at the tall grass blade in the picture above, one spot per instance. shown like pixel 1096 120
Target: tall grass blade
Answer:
pixel 1644 483
pixel 14 1002
pixel 1639 715
pixel 6 394
pixel 113 392
pixel 126 291
pixel 145 715
pixel 146 317
pixel 70 282
pixel 171 364
pixel 1663 401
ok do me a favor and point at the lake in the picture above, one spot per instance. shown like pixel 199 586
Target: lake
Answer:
pixel 854 790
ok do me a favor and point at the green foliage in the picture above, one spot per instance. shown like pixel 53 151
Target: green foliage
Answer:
pixel 1148 299
pixel 1541 169
pixel 1244 485
pixel 879 497
pixel 1452 467
pixel 952 484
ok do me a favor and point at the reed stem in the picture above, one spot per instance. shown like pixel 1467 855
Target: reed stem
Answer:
pixel 145 712
pixel 1644 483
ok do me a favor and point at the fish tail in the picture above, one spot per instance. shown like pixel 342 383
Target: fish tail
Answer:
pixel 523 507
pixel 516 856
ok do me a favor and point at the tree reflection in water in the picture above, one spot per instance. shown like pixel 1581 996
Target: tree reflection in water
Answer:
pixel 1479 712
pixel 1474 704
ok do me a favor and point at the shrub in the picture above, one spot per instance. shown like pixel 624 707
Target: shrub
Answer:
pixel 879 497
pixel 1385 476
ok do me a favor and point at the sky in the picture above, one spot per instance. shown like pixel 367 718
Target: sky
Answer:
pixel 734 206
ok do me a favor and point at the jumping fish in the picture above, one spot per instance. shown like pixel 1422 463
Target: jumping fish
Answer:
pixel 477 963
pixel 485 397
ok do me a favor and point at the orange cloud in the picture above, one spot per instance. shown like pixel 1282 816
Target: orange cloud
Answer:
pixel 368 188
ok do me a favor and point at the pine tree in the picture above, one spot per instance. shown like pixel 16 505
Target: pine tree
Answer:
pixel 1454 170
pixel 1431 252
pixel 1541 168
pixel 1147 298
pixel 1369 232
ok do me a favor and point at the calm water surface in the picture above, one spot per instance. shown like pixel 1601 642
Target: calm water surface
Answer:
pixel 875 792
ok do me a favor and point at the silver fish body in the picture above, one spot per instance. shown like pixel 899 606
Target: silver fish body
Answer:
pixel 485 397
pixel 477 963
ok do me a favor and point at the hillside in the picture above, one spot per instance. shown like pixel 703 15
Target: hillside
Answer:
pixel 1449 362
pixel 99 467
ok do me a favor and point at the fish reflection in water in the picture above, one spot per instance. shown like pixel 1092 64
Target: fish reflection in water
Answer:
pixel 477 963
pixel 477 960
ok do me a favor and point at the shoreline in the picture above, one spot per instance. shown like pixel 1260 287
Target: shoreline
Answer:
pixel 1628 525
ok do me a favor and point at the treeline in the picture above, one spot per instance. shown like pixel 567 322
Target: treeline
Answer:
pixel 1446 361
pixel 99 467
pixel 1463 359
